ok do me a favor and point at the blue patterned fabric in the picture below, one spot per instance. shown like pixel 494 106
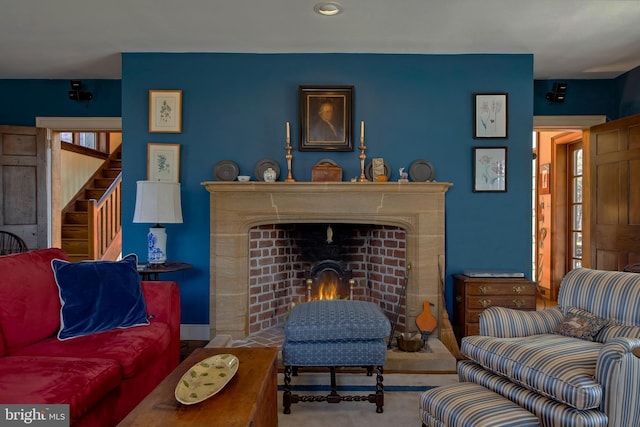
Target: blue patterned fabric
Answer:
pixel 467 404
pixel 550 412
pixel 335 333
pixel 335 320
pixel 335 353
pixel 503 322
pixel 612 295
pixel 555 366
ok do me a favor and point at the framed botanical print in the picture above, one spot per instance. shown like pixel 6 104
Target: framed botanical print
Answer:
pixel 326 114
pixel 163 162
pixel 165 111
pixel 490 115
pixel 490 169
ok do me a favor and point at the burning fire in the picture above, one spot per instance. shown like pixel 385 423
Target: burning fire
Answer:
pixel 328 287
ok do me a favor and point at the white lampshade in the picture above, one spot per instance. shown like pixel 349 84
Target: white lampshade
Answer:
pixel 158 201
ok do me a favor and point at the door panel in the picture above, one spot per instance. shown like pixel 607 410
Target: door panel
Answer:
pixel 23 207
pixel 615 172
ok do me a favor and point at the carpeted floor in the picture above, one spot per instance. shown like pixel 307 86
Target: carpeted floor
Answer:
pixel 401 400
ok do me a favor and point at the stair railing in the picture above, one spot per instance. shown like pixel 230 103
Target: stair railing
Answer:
pixel 104 219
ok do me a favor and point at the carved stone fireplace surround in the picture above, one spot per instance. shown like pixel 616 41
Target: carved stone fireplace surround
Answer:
pixel 236 207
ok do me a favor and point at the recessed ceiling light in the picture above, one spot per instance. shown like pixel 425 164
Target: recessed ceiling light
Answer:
pixel 328 8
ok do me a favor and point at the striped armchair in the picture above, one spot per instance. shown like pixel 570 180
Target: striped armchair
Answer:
pixel 587 377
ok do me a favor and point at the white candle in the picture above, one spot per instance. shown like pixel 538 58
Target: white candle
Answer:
pixel 288 134
pixel 362 129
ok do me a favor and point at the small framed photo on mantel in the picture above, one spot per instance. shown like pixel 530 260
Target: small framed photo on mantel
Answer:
pixel 165 111
pixel 490 115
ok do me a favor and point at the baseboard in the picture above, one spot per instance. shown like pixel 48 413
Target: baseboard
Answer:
pixel 194 332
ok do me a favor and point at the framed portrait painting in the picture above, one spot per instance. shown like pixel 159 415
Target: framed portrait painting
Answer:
pixel 326 115
pixel 489 169
pixel 490 115
pixel 165 111
pixel 163 162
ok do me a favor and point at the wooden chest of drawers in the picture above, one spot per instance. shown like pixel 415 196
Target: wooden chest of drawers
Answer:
pixel 472 295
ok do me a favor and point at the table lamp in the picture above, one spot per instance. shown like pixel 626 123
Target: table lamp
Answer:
pixel 156 202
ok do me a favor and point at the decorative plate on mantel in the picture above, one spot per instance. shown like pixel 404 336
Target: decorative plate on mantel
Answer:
pixel 226 170
pixel 206 378
pixel 421 171
pixel 263 165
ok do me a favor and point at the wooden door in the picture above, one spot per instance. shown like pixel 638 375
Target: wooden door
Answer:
pixel 615 193
pixel 23 185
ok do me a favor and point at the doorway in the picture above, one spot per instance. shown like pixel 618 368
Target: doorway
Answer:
pixel 53 168
pixel 557 198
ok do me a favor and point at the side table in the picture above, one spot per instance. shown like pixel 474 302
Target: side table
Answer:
pixel 151 271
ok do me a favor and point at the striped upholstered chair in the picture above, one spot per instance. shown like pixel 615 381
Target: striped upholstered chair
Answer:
pixel 576 364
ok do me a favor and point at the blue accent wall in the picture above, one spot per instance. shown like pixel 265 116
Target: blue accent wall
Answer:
pixel 415 107
pixel 24 100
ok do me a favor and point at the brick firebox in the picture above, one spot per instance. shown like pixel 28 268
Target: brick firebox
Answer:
pixel 237 207
pixel 281 254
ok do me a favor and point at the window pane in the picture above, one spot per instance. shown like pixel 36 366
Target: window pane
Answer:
pixel 66 137
pixel 576 220
pixel 577 263
pixel 88 140
pixel 577 245
pixel 577 189
pixel 577 161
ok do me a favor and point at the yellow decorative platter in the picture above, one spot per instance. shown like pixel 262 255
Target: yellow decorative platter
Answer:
pixel 206 378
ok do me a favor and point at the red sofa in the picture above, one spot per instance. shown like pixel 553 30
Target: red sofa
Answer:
pixel 102 376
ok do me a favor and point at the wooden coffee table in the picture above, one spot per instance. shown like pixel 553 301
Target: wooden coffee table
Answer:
pixel 249 399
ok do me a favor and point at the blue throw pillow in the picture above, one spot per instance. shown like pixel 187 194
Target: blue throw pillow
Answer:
pixel 98 296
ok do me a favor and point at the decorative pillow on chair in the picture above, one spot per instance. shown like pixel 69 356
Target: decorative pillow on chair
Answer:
pixel 579 323
pixel 98 296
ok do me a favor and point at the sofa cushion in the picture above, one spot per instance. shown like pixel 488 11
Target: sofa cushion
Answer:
pixel 559 367
pixel 98 296
pixel 579 323
pixel 81 383
pixel 132 349
pixel 29 304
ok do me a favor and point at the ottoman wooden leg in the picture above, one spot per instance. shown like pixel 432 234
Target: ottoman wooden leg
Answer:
pixel 379 390
pixel 286 396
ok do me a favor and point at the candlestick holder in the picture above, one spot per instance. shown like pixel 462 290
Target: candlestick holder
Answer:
pixel 363 156
pixel 289 157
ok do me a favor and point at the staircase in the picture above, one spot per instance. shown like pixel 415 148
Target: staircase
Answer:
pixel 91 222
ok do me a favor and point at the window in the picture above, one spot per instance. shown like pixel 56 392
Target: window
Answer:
pixel 575 168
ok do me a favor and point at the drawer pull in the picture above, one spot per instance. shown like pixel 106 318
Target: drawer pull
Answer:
pixel 518 303
pixel 518 289
pixel 485 303
pixel 484 289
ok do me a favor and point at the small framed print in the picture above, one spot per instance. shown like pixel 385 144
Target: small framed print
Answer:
pixel 163 162
pixel 545 179
pixel 165 111
pixel 489 169
pixel 325 118
pixel 490 115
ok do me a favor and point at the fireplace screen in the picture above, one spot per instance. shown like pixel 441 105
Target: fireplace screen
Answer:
pixel 329 280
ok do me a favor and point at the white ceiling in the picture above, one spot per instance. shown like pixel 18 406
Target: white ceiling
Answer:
pixel 72 39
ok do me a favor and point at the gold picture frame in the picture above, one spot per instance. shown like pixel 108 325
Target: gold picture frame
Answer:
pixel 165 111
pixel 163 162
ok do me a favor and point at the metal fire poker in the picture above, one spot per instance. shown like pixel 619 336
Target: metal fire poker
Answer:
pixel 402 297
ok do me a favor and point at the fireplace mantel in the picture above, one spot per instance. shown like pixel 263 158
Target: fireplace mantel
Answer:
pixel 236 207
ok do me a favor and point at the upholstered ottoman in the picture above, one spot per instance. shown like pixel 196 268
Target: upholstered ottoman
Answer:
pixel 469 404
pixel 335 333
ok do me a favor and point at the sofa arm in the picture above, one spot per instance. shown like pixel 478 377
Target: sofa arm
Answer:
pixel 163 305
pixel 501 322
pixel 618 370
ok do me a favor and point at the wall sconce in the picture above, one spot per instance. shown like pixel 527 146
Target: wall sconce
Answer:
pixel 558 93
pixel 77 94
